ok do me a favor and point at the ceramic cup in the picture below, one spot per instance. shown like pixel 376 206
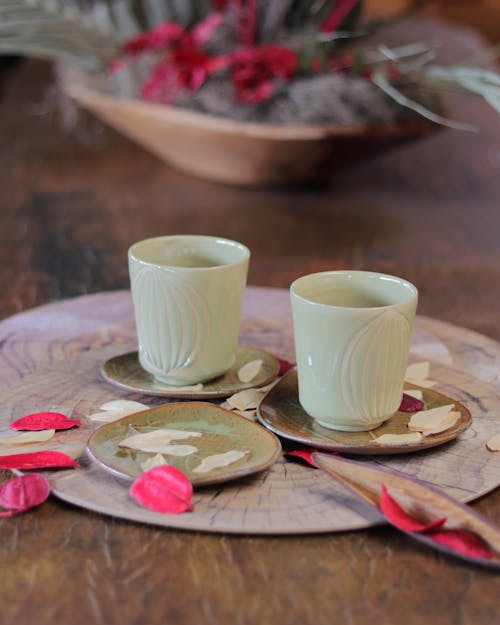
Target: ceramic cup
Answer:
pixel 352 333
pixel 187 292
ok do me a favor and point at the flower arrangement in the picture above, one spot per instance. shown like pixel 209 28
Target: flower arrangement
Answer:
pixel 244 59
pixel 289 63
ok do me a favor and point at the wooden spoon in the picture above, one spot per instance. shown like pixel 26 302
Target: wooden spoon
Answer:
pixel 417 499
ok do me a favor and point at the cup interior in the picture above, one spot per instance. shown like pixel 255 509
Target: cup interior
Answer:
pixel 353 289
pixel 190 251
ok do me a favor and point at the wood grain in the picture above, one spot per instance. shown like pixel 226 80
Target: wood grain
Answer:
pixel 287 499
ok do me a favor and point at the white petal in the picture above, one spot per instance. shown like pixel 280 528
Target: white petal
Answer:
pixel 40 436
pixel 219 460
pixel 249 371
pixel 245 400
pixel 418 371
pixel 494 443
pixel 154 461
pixel 124 405
pixel 430 419
pixel 397 439
pixel 156 439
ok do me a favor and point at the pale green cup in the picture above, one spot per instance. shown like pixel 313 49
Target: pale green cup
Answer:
pixel 187 292
pixel 352 333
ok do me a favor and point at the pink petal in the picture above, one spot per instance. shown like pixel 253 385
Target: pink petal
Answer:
pixel 410 404
pixel 44 421
pixel 462 541
pixel 401 519
pixel 23 492
pixel 163 489
pixel 284 366
pixel 37 460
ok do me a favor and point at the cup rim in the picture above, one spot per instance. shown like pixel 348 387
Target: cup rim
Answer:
pixel 132 254
pixel 412 289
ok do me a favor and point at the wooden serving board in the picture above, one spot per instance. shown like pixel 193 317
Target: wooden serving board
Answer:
pixel 50 359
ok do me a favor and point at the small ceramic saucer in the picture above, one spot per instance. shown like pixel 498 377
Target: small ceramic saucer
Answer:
pixel 281 412
pixel 126 372
pixel 217 431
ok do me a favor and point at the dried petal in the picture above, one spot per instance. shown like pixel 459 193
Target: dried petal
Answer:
pixel 494 443
pixel 245 400
pixel 163 489
pixel 117 409
pixel 219 460
pixel 414 392
pixel 249 371
pixel 396 516
pixel 158 441
pixel 418 371
pixel 462 541
pixel 398 439
pixel 23 492
pixel 448 423
pixel 430 419
pixel 124 405
pixel 108 416
pixel 410 404
pixel 44 421
pixel 37 460
pixel 28 437
pixel 285 366
pixel 154 461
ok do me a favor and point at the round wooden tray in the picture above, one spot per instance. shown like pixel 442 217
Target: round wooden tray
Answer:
pixel 50 359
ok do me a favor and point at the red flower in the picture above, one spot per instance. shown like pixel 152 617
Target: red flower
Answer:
pixel 255 69
pixel 185 68
pixel 154 40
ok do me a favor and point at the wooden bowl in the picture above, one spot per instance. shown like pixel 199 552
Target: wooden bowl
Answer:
pixel 242 153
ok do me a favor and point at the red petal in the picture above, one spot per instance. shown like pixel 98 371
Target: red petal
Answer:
pixel 163 489
pixel 303 454
pixel 44 421
pixel 23 492
pixel 401 519
pixel 306 454
pixel 37 460
pixel 462 541
pixel 284 366
pixel 410 404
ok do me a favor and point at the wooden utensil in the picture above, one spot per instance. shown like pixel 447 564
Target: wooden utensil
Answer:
pixel 417 499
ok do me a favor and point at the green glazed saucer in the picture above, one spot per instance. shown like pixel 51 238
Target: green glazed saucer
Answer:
pixel 280 411
pixel 218 430
pixel 126 372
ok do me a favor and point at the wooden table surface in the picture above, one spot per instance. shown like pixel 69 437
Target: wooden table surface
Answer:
pixel 71 205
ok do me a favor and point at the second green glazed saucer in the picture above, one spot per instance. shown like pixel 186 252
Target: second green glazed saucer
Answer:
pixel 280 411
pixel 217 431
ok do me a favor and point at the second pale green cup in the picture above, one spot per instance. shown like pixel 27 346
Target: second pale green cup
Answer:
pixel 352 333
pixel 187 292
